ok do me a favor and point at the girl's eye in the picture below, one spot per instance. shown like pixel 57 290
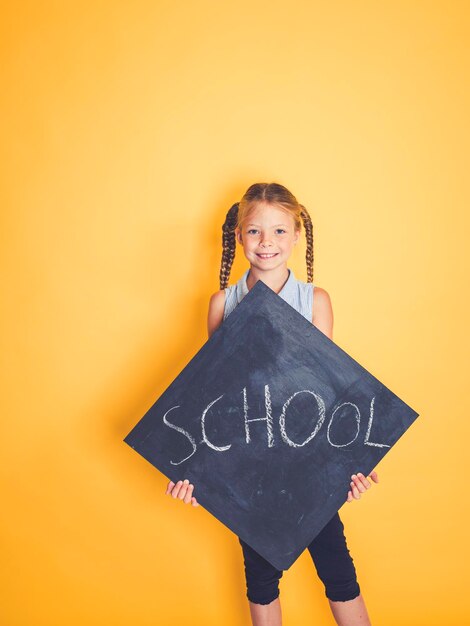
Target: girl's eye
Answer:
pixel 254 230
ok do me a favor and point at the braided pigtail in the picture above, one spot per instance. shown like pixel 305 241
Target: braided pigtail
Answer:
pixel 228 244
pixel 307 222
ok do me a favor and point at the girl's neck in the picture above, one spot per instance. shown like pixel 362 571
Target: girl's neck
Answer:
pixel 275 279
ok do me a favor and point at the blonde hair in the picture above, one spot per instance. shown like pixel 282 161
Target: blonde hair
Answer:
pixel 270 193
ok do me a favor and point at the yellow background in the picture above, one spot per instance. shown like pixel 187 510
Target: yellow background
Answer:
pixel 128 130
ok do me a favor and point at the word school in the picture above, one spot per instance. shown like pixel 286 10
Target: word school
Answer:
pixel 320 405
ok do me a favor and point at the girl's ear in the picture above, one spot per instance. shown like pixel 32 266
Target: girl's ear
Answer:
pixel 238 235
pixel 296 236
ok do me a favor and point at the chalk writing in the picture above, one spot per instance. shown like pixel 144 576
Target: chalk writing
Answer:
pixel 320 408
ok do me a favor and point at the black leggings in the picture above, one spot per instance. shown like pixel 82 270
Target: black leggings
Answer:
pixel 331 558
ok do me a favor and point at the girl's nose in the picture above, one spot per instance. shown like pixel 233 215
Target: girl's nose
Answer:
pixel 265 242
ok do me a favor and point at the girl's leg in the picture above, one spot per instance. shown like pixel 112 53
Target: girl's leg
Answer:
pixel 335 568
pixel 350 612
pixel 262 582
pixel 266 614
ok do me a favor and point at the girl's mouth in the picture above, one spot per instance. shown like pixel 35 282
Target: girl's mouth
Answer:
pixel 267 256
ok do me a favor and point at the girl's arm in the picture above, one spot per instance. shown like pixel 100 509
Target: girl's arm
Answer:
pixel 323 312
pixel 216 311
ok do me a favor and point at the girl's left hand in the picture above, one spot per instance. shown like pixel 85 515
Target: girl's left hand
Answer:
pixel 359 484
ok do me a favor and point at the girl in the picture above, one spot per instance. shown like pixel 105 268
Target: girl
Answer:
pixel 267 224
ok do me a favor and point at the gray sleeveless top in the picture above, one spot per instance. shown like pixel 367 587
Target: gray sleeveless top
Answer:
pixel 295 292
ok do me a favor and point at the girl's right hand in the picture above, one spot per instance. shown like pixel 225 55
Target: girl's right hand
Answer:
pixel 182 490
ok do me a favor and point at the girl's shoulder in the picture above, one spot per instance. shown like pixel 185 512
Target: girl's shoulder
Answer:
pixel 320 293
pixel 217 299
pixel 304 286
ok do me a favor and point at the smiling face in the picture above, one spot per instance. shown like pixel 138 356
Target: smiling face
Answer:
pixel 268 236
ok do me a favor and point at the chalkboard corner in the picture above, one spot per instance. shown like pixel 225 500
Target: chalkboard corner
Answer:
pixel 128 440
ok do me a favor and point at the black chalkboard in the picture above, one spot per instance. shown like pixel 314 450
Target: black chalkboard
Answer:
pixel 269 420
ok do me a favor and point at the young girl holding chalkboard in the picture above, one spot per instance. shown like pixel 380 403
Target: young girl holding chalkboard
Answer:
pixel 267 223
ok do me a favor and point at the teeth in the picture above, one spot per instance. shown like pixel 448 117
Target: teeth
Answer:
pixel 267 256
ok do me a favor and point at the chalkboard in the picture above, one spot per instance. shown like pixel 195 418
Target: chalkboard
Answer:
pixel 269 420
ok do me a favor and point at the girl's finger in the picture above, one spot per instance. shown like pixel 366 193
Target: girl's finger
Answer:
pixel 358 483
pixel 170 486
pixel 189 493
pixel 364 480
pixel 184 489
pixel 350 498
pixel 374 476
pixel 194 502
pixel 176 489
pixel 355 490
